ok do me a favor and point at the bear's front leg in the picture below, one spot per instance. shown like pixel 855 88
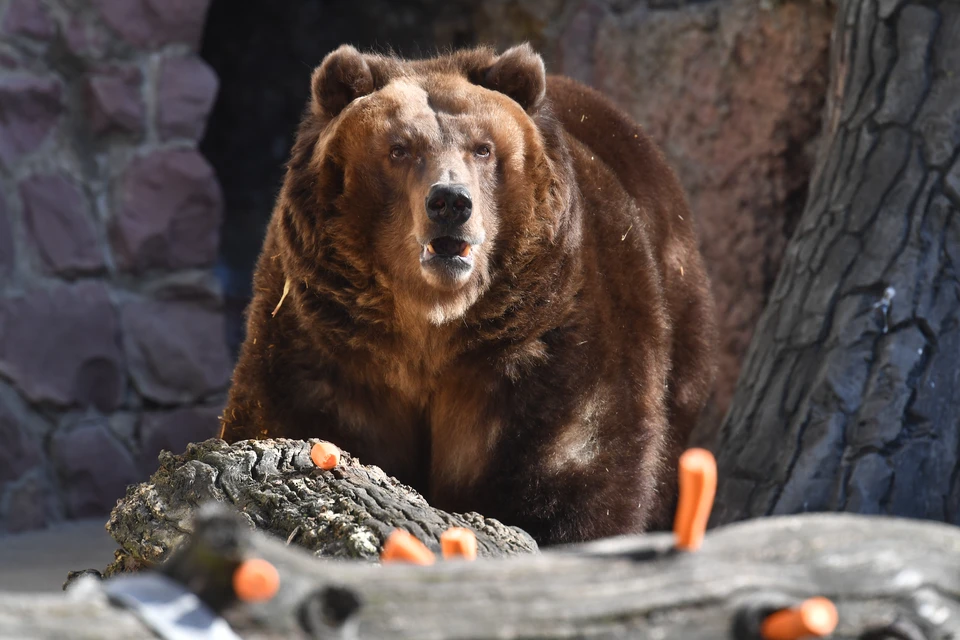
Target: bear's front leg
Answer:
pixel 566 476
pixel 575 491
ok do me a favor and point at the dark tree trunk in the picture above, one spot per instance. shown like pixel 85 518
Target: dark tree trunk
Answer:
pixel 849 399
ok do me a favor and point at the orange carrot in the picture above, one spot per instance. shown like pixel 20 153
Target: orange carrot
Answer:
pixel 256 580
pixel 814 618
pixel 325 455
pixel 698 487
pixel 458 542
pixel 403 547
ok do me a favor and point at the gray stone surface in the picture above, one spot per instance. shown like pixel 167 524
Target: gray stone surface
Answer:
pixel 150 23
pixel 29 110
pixel 93 466
pixel 21 450
pixel 173 430
pixel 26 502
pixel 62 345
pixel 7 255
pixel 59 223
pixel 28 18
pixel 176 351
pixel 186 93
pixel 115 101
pixel 84 39
pixel 168 215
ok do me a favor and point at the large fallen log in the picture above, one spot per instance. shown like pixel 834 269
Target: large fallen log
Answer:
pixel 889 579
pixel 346 512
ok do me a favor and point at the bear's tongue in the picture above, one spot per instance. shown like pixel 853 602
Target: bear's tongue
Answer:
pixel 448 247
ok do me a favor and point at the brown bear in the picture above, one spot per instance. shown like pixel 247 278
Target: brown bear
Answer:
pixel 485 281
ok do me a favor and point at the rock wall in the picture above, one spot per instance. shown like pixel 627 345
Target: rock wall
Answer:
pixel 111 323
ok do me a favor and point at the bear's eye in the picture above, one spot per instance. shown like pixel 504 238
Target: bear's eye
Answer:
pixel 482 151
pixel 398 152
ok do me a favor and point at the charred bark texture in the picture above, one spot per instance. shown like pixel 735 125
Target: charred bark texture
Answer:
pixel 889 578
pixel 344 513
pixel 848 397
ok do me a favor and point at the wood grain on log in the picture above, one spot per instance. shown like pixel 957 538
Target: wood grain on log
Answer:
pixel 847 400
pixel 882 574
pixel 344 513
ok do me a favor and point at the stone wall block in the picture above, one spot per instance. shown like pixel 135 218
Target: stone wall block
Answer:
pixel 153 23
pixel 7 256
pixel 25 492
pixel 186 91
pixel 177 352
pixel 24 507
pixel 93 466
pixel 28 18
pixel 61 345
pixel 114 100
pixel 59 223
pixel 29 111
pixel 173 431
pixel 85 40
pixel 168 212
pixel 20 450
pixel 8 61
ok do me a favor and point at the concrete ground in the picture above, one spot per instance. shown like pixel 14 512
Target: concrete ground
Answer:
pixel 38 561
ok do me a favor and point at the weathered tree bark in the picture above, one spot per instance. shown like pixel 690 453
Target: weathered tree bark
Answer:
pixel 848 397
pixel 889 578
pixel 344 513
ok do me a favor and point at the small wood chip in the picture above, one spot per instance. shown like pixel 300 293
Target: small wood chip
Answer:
pixel 286 290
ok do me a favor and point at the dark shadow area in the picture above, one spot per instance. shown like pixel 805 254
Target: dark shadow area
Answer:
pixel 263 54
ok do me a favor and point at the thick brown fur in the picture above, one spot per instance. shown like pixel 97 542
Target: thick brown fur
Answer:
pixel 555 387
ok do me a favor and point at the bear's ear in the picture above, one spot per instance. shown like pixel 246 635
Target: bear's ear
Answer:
pixel 519 72
pixel 341 78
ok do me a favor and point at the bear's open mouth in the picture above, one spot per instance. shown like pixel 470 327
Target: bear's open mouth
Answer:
pixel 448 247
pixel 448 257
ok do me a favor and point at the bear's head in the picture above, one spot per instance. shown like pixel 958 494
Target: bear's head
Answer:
pixel 424 181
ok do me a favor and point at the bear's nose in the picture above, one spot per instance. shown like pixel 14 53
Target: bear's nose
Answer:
pixel 449 204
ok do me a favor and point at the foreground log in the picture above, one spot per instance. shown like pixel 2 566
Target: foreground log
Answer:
pixel 888 578
pixel 346 512
pixel 846 400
